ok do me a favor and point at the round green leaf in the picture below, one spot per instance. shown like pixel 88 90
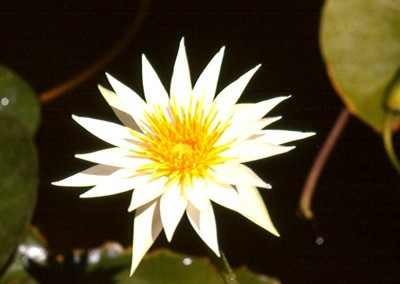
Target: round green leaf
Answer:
pixel 169 268
pixel 18 182
pixel 244 275
pixel 160 267
pixel 17 99
pixel 360 42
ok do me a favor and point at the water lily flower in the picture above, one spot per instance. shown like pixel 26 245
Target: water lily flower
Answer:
pixel 179 152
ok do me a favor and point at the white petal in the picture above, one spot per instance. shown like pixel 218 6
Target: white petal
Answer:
pixel 132 101
pixel 231 94
pixel 147 226
pixel 115 185
pixel 197 194
pixel 172 207
pixel 233 173
pixel 117 157
pixel 203 222
pixel 207 83
pixel 281 136
pixel 119 108
pixel 227 196
pixel 255 204
pixel 154 91
pixel 146 192
pixel 89 177
pixel 181 85
pixel 242 131
pixel 112 133
pixel 246 112
pixel 250 150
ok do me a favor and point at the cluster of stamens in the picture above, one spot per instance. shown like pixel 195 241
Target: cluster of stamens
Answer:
pixel 182 142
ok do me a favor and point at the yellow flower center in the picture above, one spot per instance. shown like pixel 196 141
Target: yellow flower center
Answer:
pixel 181 142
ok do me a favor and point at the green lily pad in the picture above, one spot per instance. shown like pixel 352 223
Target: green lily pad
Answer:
pixel 17 99
pixel 167 267
pixel 162 267
pixel 244 275
pixel 18 184
pixel 360 43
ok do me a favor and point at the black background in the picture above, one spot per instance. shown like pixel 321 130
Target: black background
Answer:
pixel 357 199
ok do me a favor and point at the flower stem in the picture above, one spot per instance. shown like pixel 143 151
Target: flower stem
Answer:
pixel 117 49
pixel 319 163
pixel 387 140
pixel 223 267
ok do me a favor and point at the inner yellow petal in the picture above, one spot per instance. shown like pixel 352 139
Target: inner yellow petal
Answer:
pixel 181 142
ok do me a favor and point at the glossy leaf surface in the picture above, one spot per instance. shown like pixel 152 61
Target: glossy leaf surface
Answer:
pixel 360 45
pixel 17 99
pixel 18 184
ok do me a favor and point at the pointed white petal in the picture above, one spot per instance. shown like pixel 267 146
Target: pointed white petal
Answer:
pixel 146 192
pixel 114 185
pixel 89 177
pixel 231 94
pixel 281 136
pixel 203 222
pixel 251 150
pixel 207 83
pixel 132 101
pixel 147 226
pixel 197 194
pixel 119 108
pixel 255 204
pixel 181 85
pixel 117 157
pixel 246 112
pixel 172 206
pixel 112 133
pixel 242 131
pixel 225 195
pixel 112 99
pixel 233 173
pixel 154 91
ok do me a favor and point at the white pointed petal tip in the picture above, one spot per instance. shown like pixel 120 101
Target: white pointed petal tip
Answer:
pixel 280 99
pixel 251 73
pixel 221 53
pixel 87 195
pixel 68 183
pixel 275 233
pixel 268 227
pixel 303 135
pixel 81 120
pixel 75 117
pixel 308 134
pixel 58 183
pixel 93 193
pixel 182 42
pixel 76 180
pixel 110 78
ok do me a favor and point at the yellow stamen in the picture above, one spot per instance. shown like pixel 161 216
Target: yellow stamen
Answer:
pixel 181 142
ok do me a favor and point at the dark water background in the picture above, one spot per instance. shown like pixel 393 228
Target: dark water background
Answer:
pixel 357 202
